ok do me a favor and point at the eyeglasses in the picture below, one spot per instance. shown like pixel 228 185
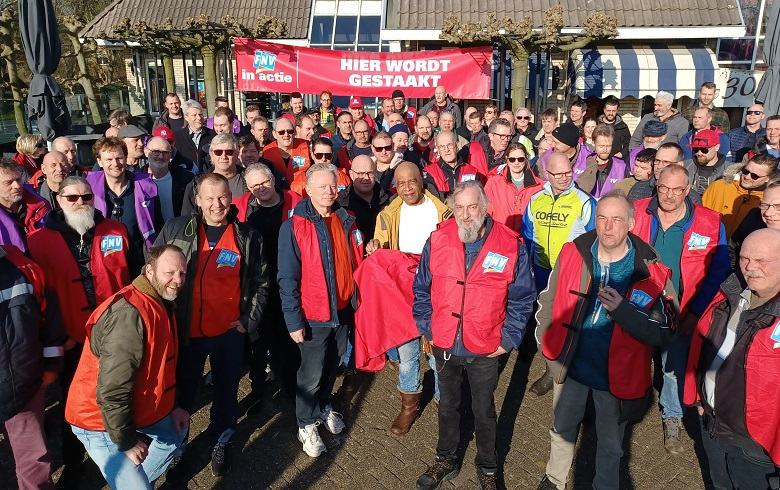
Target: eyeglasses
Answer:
pixel 42 144
pixel 363 175
pixel 677 191
pixel 447 146
pixel 321 156
pixel 754 113
pixel 118 210
pixel 753 176
pixel 560 175
pixel 265 183
pixel 664 163
pixel 285 131
pixel 490 112
pixel 361 132
pixel 218 152
pixel 527 118
pixel 515 159
pixel 160 153
pixel 383 148
pixel 701 150
pixel 76 197
pixel 502 136
pixel 764 206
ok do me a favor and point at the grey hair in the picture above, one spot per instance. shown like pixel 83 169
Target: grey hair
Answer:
pixel 190 104
pixel 222 139
pixel 259 167
pixel 469 184
pixel 494 124
pixel 619 194
pixel 669 98
pixel 709 111
pixel 73 180
pixel 321 167
pixel 675 169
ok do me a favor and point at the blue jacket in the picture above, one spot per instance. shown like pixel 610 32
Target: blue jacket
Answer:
pixel 520 302
pixel 289 275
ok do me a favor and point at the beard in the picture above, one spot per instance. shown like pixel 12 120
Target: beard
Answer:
pixel 82 220
pixel 468 231
pixel 162 288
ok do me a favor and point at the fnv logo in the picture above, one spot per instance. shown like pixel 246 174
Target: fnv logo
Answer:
pixel 264 61
pixel 494 263
pixel 110 244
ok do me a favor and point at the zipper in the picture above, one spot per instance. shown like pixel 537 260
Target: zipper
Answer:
pixel 459 332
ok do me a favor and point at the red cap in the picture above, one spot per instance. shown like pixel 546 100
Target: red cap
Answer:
pixel 355 103
pixel 706 138
pixel 164 132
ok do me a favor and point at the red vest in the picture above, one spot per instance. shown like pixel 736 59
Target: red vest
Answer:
pixel 31 271
pixel 464 173
pixel 507 202
pixel 475 303
pixel 629 359
pixel 290 200
pixel 315 294
pixel 216 291
pixel 477 158
pixel 108 264
pixel 299 158
pixel 697 250
pixel 762 373
pixel 154 386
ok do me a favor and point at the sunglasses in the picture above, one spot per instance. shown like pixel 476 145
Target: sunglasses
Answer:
pixel 286 131
pixel 41 145
pixel 515 159
pixel 527 118
pixel 754 113
pixel 229 153
pixel 383 148
pixel 753 176
pixel 701 150
pixel 76 197
pixel 320 156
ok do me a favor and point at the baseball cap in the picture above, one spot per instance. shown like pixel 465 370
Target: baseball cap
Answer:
pixel 655 128
pixel 164 132
pixel 131 131
pixel 355 103
pixel 397 93
pixel 567 133
pixel 706 138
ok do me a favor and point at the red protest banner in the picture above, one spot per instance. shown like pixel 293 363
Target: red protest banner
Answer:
pixel 269 67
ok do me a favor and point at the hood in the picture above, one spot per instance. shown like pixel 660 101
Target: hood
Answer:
pixel 731 173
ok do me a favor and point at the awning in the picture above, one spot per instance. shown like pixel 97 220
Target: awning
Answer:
pixel 638 71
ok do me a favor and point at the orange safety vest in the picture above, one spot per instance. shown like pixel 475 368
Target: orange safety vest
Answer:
pixel 216 294
pixel 474 303
pixel 299 158
pixel 107 263
pixel 154 387
pixel 290 200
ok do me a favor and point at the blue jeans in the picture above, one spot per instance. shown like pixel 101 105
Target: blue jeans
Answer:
pixel 409 368
pixel 393 355
pixel 674 360
pixel 322 350
pixel 226 353
pixel 118 470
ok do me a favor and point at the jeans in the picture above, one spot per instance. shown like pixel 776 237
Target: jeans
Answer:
pixel 432 364
pixel 409 368
pixel 674 361
pixel 322 350
pixel 483 377
pixel 569 399
pixel 735 468
pixel 226 352
pixel 24 431
pixel 119 471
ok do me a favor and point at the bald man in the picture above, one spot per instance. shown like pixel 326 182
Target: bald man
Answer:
pixel 744 138
pixel 440 102
pixel 65 145
pixel 54 168
pixel 733 368
pixel 405 225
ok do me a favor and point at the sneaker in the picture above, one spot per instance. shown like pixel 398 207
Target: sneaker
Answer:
pixel 672 442
pixel 333 421
pixel 312 443
pixel 546 484
pixel 220 462
pixel 441 471
pixel 543 385
pixel 486 479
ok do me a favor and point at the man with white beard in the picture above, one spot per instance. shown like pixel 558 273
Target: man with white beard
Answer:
pixel 477 265
pixel 84 260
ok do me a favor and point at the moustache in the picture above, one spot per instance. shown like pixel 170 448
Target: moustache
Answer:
pixel 755 274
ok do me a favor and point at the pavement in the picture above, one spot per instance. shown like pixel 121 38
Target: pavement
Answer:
pixel 267 454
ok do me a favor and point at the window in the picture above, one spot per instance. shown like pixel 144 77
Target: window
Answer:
pixel 346 28
pixel 322 29
pixel 369 30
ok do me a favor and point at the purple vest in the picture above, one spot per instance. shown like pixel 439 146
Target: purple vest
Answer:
pixel 616 174
pixel 579 164
pixel 632 156
pixel 236 124
pixel 144 192
pixel 9 228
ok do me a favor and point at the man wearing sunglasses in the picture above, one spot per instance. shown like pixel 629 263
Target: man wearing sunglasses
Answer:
pixel 740 190
pixel 322 152
pixel 128 197
pixel 171 180
pixel 707 165
pixel 744 138
pixel 290 155
pixel 84 257
pixel 691 241
pixel 224 156
pixel 22 211
pixel 702 119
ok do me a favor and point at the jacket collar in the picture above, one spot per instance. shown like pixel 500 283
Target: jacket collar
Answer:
pixel 643 257
pixel 733 286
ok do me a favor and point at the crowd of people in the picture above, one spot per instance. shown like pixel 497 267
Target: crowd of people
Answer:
pixel 247 242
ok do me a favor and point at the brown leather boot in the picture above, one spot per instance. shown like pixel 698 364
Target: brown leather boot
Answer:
pixel 410 403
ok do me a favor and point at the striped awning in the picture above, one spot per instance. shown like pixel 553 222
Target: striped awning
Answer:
pixel 637 71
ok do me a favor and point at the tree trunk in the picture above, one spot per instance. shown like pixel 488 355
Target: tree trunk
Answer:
pixel 9 48
pixel 170 80
pixel 519 78
pixel 209 76
pixel 84 80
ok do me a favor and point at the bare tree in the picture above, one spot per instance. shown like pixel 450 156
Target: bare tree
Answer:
pixel 11 51
pixel 523 39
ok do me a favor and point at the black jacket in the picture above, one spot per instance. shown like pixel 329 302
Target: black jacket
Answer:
pixel 365 212
pixel 622 137
pixel 183 232
pixel 199 154
pixel 180 180
pixel 25 335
